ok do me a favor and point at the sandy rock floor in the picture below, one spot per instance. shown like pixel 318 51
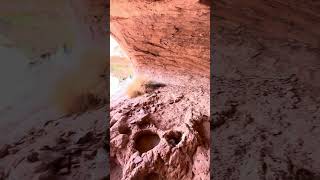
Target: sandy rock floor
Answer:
pixel 161 135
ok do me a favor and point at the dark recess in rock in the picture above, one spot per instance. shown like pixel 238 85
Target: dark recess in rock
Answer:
pixel 146 141
pixel 173 137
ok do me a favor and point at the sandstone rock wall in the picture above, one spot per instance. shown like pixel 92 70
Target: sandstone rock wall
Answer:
pixel 168 40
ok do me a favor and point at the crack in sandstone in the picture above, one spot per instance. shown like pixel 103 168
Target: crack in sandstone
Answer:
pixel 146 51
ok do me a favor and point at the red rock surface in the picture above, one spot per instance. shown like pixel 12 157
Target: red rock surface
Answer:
pixel 164 135
pixel 168 40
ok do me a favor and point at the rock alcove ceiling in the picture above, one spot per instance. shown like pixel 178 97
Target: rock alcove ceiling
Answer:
pixel 169 40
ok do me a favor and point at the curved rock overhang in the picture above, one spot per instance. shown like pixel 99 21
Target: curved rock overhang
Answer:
pixel 167 40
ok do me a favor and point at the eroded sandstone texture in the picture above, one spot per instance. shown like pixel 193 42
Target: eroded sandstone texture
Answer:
pixel 169 40
pixel 265 107
pixel 163 134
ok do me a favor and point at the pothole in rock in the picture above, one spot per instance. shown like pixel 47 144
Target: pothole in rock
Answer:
pixel 146 141
pixel 173 138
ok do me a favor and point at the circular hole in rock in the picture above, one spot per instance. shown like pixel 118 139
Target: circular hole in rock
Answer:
pixel 173 137
pixel 146 141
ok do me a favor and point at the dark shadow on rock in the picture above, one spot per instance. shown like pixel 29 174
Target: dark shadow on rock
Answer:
pixel 154 85
pixel 205 2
